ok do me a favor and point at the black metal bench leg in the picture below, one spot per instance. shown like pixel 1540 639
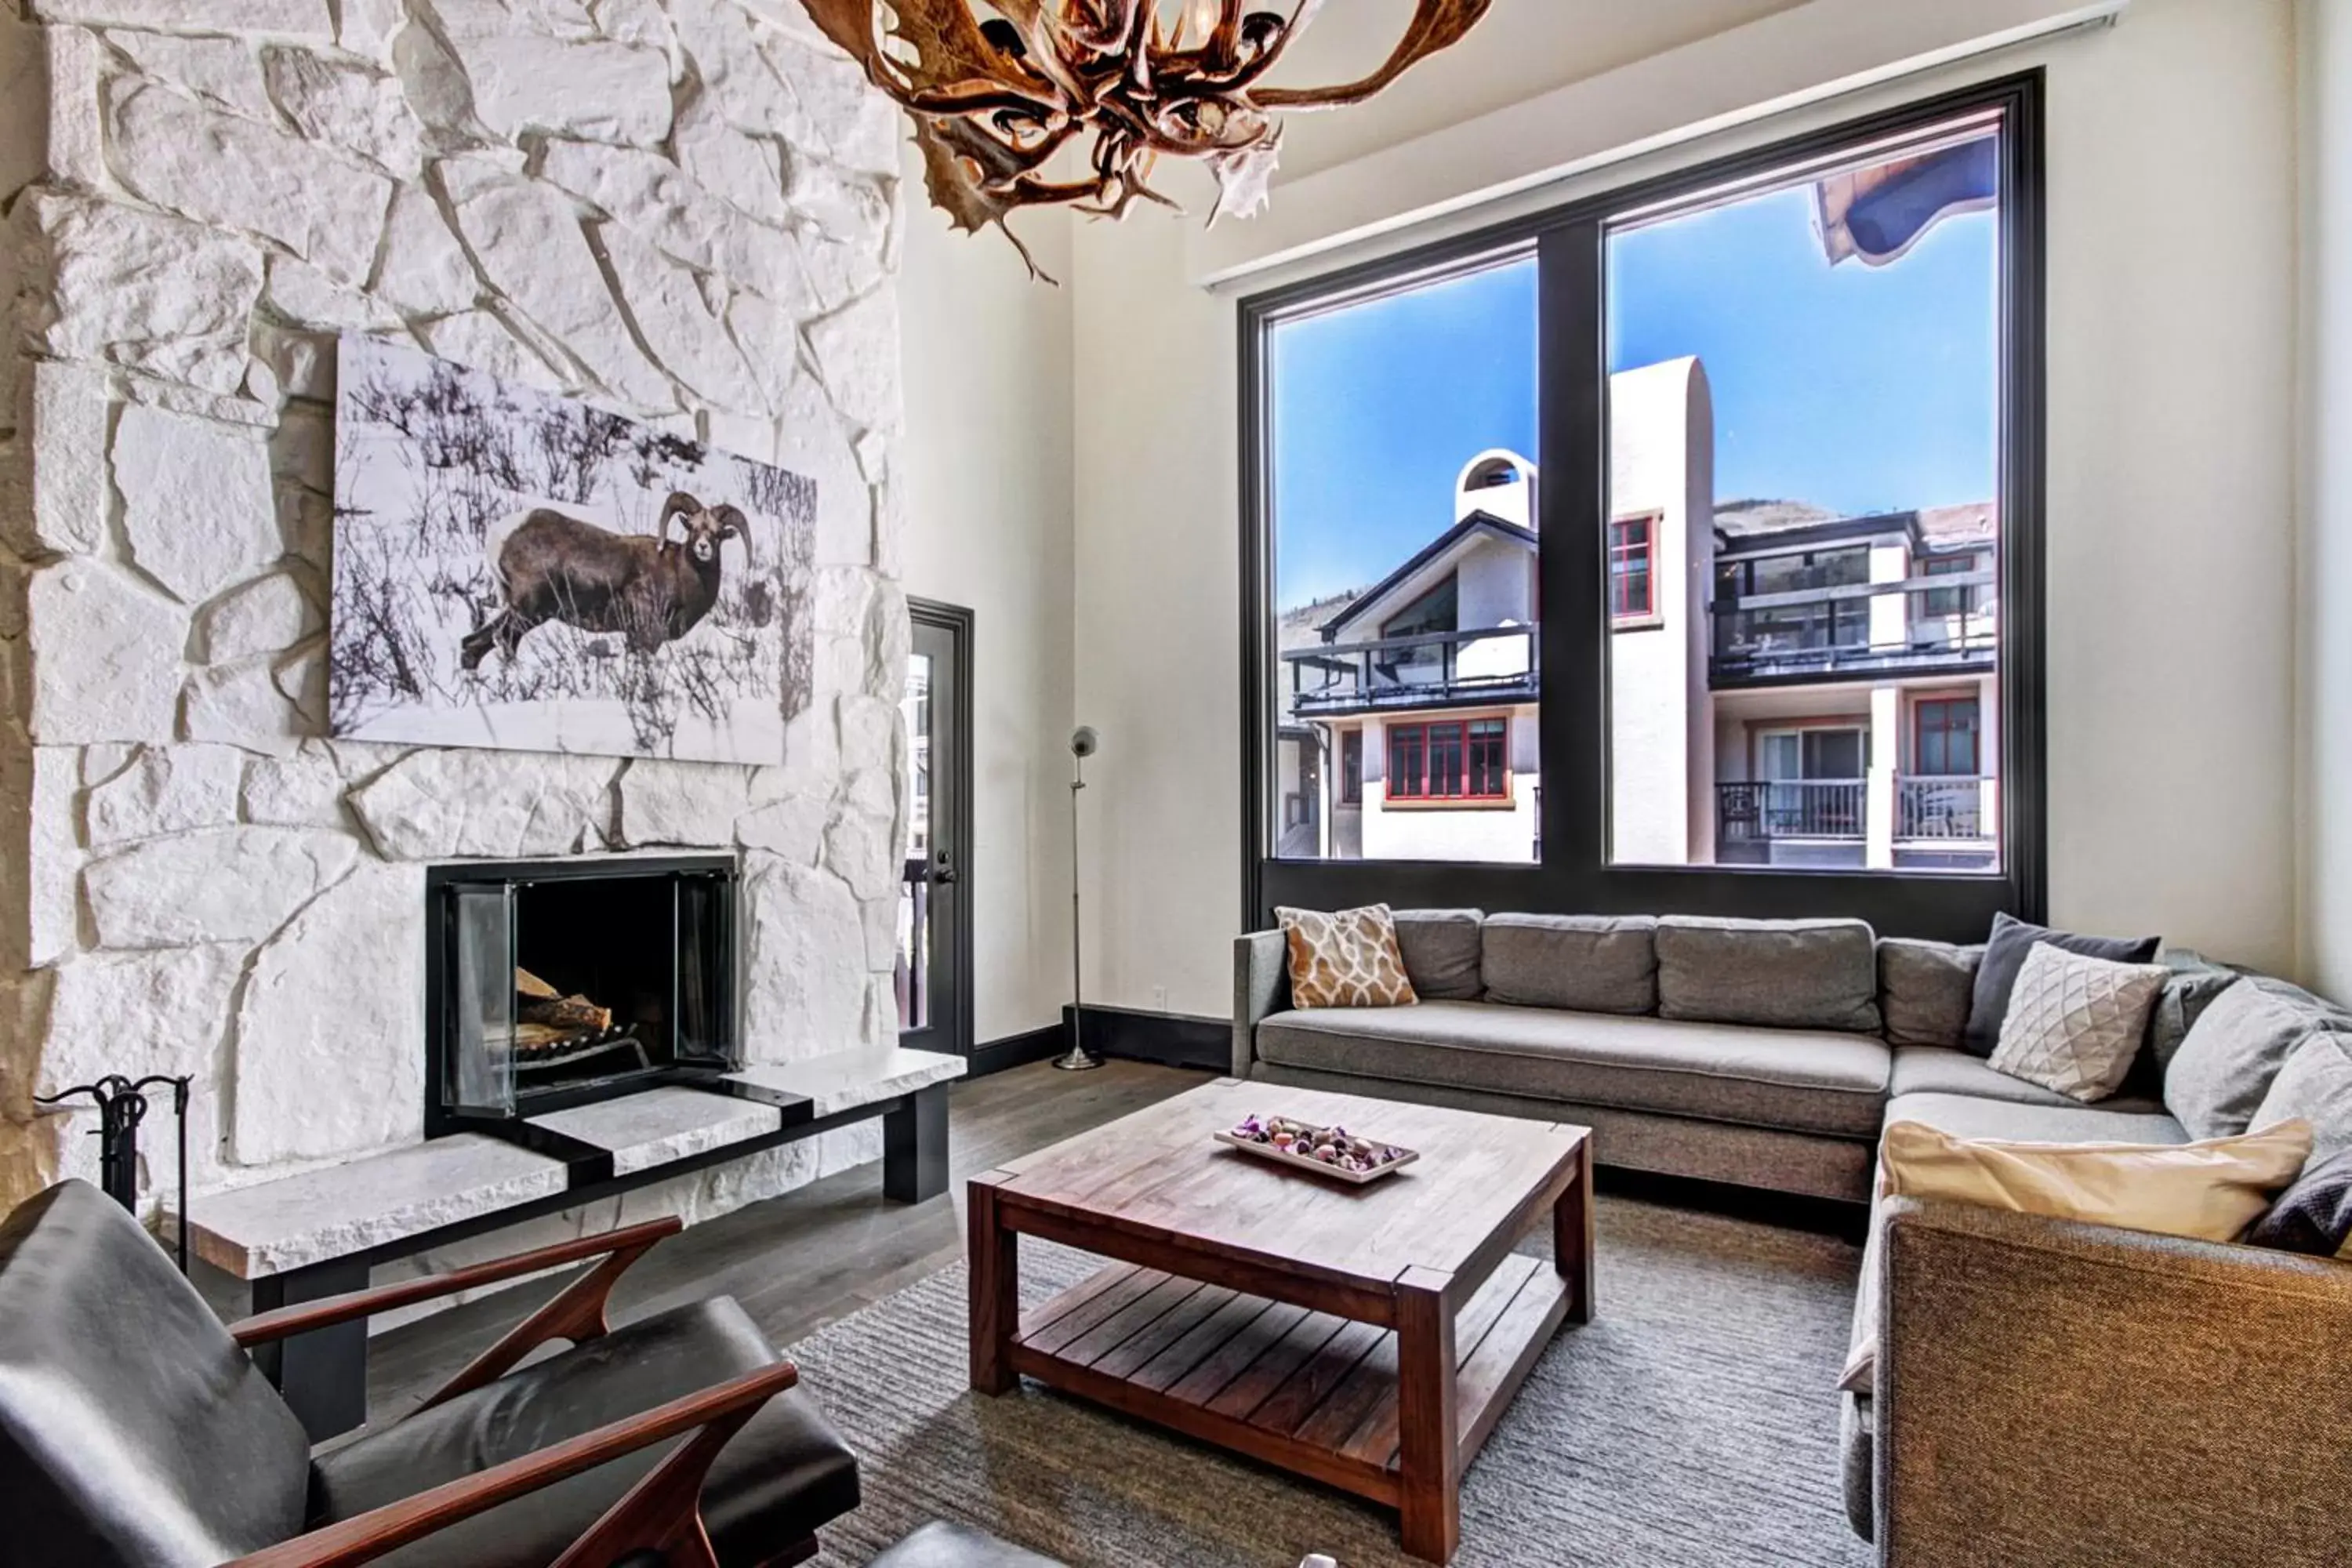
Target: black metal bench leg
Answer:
pixel 323 1374
pixel 915 1147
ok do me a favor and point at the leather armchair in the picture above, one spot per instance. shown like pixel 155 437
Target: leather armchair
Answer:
pixel 135 1429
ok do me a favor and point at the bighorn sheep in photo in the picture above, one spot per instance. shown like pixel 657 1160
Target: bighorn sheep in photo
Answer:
pixel 646 588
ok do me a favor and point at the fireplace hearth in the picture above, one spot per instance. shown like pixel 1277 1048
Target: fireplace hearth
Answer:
pixel 550 984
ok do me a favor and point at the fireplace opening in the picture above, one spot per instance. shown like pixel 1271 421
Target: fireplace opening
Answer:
pixel 555 984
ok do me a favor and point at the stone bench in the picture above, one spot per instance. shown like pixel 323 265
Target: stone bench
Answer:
pixel 303 1237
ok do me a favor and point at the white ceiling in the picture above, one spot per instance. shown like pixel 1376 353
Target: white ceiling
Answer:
pixel 1522 48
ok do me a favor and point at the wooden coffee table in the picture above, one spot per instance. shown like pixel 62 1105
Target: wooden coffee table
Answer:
pixel 1367 1337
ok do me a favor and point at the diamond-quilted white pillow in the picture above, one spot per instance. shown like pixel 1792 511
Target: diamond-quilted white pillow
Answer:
pixel 2074 1022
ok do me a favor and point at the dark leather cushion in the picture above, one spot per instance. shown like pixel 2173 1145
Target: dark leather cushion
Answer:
pixel 133 1429
pixel 942 1545
pixel 785 1474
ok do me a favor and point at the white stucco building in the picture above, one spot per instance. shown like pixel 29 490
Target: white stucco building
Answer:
pixel 1787 687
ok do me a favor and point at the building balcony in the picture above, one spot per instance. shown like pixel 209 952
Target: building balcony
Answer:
pixel 1762 810
pixel 1437 669
pixel 1932 625
pixel 1931 823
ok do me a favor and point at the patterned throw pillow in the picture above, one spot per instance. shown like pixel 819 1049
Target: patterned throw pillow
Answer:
pixel 2074 1022
pixel 1348 959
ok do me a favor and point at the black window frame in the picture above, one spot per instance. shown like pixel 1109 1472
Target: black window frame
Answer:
pixel 1573 872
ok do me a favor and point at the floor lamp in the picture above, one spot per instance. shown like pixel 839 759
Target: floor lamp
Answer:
pixel 1077 1058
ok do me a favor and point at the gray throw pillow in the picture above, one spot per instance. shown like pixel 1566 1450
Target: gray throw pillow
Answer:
pixel 1440 952
pixel 1582 963
pixel 2219 1077
pixel 1925 989
pixel 2315 1086
pixel 1788 974
pixel 2195 981
pixel 2004 955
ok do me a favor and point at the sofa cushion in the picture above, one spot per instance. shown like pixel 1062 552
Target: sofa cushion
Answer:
pixel 1967 1116
pixel 2004 955
pixel 1440 952
pixel 1925 989
pixel 1931 1070
pixel 1790 974
pixel 2216 1080
pixel 2315 1085
pixel 2074 1022
pixel 1797 1081
pixel 1586 963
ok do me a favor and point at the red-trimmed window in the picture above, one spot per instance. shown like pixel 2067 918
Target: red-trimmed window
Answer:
pixel 1631 594
pixel 1944 737
pixel 1450 762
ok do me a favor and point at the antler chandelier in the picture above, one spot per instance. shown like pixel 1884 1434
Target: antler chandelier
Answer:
pixel 998 87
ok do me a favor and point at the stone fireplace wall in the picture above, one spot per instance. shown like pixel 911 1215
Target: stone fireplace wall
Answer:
pixel 683 210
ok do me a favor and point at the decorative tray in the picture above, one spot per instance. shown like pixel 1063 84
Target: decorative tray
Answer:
pixel 1331 1152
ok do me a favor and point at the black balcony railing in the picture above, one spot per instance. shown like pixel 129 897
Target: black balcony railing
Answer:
pixel 1759 810
pixel 1817 632
pixel 1940 808
pixel 1495 664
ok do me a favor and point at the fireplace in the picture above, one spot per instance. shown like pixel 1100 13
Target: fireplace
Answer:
pixel 556 984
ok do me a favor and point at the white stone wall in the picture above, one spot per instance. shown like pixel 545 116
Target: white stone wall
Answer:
pixel 685 210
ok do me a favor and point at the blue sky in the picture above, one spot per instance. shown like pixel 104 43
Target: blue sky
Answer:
pixel 1856 388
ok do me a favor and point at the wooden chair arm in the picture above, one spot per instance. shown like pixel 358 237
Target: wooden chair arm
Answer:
pixel 660 1513
pixel 624 1246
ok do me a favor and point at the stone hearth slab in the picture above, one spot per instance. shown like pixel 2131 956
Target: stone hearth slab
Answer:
pixel 656 1126
pixel 847 1079
pixel 295 1221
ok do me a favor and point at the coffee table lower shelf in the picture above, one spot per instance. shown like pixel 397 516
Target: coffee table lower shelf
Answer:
pixel 1310 1393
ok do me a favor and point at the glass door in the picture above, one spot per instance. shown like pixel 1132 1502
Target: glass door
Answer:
pixel 934 963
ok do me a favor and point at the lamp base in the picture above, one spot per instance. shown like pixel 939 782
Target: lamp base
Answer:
pixel 1077 1058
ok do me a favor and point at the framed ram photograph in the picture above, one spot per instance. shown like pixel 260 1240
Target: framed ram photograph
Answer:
pixel 521 571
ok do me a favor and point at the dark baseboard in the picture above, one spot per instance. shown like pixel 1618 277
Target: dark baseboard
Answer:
pixel 1017 1050
pixel 1172 1039
pixel 1825 1217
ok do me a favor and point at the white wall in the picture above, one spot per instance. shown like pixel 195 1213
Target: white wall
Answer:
pixel 2324 564
pixel 988 383
pixel 2170 150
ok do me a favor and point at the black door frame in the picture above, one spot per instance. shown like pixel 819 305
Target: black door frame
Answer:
pixel 951 826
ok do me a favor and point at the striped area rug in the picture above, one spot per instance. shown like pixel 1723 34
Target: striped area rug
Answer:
pixel 1693 1424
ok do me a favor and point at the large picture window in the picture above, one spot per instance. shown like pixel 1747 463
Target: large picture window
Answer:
pixel 1780 650
pixel 1403 548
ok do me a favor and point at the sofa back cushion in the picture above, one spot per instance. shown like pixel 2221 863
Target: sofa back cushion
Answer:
pixel 2315 1086
pixel 2225 1067
pixel 1790 974
pixel 1440 952
pixel 1582 963
pixel 1923 990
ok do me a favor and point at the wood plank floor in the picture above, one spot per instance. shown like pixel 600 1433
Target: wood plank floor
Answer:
pixel 813 1255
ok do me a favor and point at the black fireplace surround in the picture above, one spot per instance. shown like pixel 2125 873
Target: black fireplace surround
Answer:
pixel 555 984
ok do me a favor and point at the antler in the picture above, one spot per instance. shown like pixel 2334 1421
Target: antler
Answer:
pixel 995 100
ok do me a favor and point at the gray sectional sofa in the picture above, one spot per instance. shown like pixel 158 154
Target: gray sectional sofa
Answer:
pixel 2046 1393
